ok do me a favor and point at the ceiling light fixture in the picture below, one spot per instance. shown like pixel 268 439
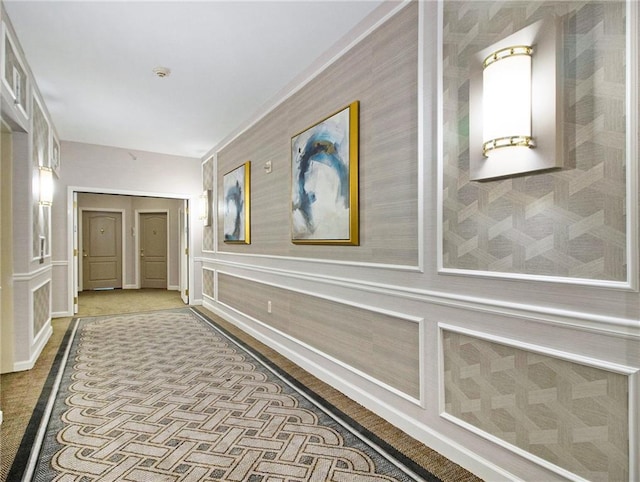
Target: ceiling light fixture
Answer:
pixel 162 71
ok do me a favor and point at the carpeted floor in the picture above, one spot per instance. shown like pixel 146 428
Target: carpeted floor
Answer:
pixel 20 391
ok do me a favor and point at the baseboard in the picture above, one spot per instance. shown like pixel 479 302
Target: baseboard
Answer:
pixel 173 288
pixel 413 427
pixel 61 314
pixel 130 287
pixel 41 340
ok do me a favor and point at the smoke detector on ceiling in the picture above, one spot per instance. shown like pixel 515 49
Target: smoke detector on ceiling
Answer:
pixel 162 71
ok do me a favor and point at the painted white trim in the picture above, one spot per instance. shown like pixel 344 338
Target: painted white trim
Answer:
pixel 32 275
pixel 605 284
pixel 633 151
pixel 609 325
pixel 401 316
pixel 542 350
pixel 60 263
pixel 632 113
pixel 413 427
pixel 36 348
pixel 630 372
pixel 8 34
pixel 342 301
pixel 337 262
pixel 421 137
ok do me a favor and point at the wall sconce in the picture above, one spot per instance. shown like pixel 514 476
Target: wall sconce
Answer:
pixel 205 207
pixel 45 186
pixel 514 104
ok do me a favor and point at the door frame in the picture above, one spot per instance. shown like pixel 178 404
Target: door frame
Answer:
pixel 81 247
pixel 136 233
pixel 72 234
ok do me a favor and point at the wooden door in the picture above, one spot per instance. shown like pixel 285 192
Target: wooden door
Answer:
pixel 153 250
pixel 101 250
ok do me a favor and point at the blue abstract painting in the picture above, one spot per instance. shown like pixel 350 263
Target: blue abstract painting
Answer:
pixel 236 204
pixel 321 200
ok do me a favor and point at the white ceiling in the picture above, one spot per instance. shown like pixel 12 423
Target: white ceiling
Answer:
pixel 93 62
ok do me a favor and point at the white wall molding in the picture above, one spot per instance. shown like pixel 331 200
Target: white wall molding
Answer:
pixel 631 373
pixel 231 312
pixel 608 325
pixel 358 264
pixel 632 153
pixel 37 347
pixel 22 277
pixel 396 416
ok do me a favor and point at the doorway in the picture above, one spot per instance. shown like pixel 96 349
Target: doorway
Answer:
pixel 153 250
pixel 101 250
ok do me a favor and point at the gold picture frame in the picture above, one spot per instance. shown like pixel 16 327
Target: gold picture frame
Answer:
pixel 324 180
pixel 236 189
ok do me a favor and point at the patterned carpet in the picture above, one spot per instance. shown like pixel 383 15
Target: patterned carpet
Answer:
pixel 169 396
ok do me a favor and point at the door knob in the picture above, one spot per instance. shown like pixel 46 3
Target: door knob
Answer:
pixel 84 255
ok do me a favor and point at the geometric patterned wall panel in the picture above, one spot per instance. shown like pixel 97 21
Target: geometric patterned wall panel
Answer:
pixel 569 222
pixel 207 183
pixel 41 311
pixel 571 415
pixel 207 282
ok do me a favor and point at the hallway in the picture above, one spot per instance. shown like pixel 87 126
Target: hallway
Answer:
pixel 21 391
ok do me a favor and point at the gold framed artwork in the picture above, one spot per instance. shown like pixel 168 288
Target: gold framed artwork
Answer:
pixel 324 180
pixel 236 187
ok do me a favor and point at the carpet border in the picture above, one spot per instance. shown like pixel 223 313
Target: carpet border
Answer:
pixel 23 465
pixel 377 444
pixel 40 417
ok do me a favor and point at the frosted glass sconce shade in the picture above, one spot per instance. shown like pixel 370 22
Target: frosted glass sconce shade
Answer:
pixel 45 186
pixel 515 99
pixel 506 96
pixel 205 207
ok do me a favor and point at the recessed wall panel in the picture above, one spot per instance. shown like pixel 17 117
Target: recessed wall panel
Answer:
pixel 569 414
pixel 384 347
pixel 568 222
pixel 41 307
pixel 208 283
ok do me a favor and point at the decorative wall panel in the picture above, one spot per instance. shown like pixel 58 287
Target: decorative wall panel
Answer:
pixel 207 183
pixel 16 80
pixel 571 415
pixel 208 282
pixel 380 72
pixel 384 347
pixel 40 157
pixel 569 222
pixel 41 307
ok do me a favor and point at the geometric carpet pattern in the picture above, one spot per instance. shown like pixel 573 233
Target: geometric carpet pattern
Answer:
pixel 167 396
pixel 569 222
pixel 571 415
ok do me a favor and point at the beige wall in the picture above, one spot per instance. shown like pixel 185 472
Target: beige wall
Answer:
pixel 528 273
pixel 381 73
